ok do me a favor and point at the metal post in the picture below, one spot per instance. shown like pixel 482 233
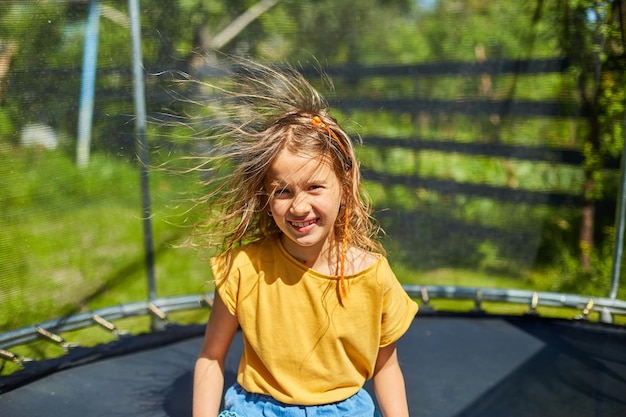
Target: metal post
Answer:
pixel 141 143
pixel 87 85
pixel 619 224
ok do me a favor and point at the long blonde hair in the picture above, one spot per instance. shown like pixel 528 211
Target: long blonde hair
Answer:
pixel 256 112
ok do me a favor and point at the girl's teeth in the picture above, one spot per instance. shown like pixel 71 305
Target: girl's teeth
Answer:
pixel 302 224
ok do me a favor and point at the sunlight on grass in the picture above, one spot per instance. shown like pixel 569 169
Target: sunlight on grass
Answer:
pixel 458 277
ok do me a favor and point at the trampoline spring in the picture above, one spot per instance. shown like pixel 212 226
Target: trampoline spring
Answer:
pixel 584 315
pixel 534 302
pixel 107 325
pixel 12 357
pixel 208 301
pixel 425 300
pixel 55 338
pixel 478 302
pixel 157 311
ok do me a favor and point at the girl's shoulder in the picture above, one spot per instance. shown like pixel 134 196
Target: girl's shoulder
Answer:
pixel 255 248
pixel 361 260
pixel 246 255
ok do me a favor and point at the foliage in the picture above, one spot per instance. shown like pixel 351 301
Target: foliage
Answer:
pixel 26 94
pixel 429 230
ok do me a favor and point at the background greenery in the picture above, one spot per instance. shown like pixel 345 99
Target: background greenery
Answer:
pixel 71 238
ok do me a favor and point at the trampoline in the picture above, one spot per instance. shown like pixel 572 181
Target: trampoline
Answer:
pixel 455 363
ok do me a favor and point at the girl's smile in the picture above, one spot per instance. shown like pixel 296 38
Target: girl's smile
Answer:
pixel 304 200
pixel 304 227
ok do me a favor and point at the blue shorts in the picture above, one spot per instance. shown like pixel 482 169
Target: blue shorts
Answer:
pixel 240 403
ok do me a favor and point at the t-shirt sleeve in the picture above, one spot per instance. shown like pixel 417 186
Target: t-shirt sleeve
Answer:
pixel 399 309
pixel 226 281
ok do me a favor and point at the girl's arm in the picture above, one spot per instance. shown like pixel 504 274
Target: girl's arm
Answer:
pixel 389 383
pixel 208 383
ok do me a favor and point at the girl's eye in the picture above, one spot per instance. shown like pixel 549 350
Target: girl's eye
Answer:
pixel 280 193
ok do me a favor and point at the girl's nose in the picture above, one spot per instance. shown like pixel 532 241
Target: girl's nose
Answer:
pixel 300 205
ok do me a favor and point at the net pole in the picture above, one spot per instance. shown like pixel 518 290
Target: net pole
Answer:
pixel 619 226
pixel 87 87
pixel 620 212
pixel 141 143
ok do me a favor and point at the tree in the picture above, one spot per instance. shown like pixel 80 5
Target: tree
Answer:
pixel 592 34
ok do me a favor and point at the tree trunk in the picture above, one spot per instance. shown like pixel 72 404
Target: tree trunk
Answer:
pixel 6 54
pixel 587 226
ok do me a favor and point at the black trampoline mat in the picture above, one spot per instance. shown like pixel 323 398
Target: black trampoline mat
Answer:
pixel 454 366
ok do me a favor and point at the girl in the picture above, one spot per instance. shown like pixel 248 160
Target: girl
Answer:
pixel 301 272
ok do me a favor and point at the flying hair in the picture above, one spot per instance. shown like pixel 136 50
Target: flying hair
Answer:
pixel 254 111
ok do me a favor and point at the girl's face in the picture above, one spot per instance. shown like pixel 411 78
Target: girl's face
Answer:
pixel 304 200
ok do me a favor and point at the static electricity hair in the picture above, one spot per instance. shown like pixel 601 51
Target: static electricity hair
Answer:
pixel 256 112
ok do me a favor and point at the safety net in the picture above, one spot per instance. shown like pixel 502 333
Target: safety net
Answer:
pixel 490 137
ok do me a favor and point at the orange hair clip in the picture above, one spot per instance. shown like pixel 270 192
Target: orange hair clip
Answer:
pixel 317 121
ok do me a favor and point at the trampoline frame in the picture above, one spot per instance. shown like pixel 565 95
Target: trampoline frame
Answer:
pixel 158 310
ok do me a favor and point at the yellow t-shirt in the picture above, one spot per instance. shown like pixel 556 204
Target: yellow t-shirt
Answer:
pixel 301 346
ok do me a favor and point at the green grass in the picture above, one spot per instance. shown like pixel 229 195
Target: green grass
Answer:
pixel 460 278
pixel 73 239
